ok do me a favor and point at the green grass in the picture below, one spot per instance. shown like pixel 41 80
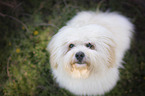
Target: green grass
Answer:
pixel 24 61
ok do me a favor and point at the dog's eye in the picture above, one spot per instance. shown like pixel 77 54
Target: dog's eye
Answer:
pixel 71 45
pixel 89 45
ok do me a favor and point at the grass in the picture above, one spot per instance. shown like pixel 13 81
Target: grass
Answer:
pixel 24 61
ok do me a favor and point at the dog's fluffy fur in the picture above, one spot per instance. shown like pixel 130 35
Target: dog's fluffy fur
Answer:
pixel 108 34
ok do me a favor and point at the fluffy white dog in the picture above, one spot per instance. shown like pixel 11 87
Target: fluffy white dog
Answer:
pixel 86 53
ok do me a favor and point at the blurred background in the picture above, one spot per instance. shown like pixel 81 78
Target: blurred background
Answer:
pixel 26 26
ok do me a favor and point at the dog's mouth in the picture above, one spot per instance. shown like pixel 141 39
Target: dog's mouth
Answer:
pixel 80 69
pixel 79 65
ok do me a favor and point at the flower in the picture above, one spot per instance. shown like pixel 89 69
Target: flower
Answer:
pixel 10 43
pixel 35 32
pixel 18 50
pixel 49 37
pixel 23 27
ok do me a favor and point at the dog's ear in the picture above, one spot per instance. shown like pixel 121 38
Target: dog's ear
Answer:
pixel 53 62
pixel 112 56
pixel 51 49
pixel 111 53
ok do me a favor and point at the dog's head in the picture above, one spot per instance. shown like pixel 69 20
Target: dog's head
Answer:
pixel 82 51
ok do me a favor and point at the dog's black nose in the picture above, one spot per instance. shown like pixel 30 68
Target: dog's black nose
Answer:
pixel 80 55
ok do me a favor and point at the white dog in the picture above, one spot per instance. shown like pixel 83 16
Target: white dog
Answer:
pixel 86 53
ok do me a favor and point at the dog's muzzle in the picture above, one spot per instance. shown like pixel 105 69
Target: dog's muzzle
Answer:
pixel 80 56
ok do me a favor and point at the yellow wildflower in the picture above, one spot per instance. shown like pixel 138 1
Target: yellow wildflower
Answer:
pixel 23 27
pixel 35 32
pixel 49 37
pixel 10 44
pixel 18 50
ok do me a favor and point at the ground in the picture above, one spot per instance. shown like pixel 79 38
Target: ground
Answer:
pixel 26 26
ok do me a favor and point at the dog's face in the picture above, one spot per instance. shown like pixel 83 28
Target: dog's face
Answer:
pixel 81 52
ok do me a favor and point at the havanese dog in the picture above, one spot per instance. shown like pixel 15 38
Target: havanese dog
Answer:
pixel 86 54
